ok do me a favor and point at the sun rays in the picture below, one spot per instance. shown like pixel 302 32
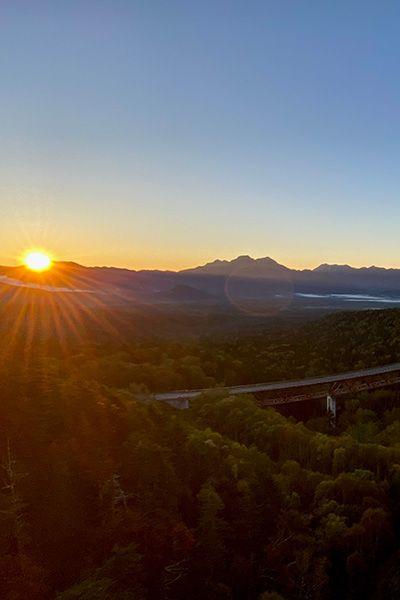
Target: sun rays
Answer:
pixel 62 311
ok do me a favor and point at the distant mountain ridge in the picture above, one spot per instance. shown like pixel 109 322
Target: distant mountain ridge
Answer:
pixel 219 280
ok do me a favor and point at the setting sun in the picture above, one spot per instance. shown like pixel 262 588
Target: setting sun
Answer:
pixel 37 261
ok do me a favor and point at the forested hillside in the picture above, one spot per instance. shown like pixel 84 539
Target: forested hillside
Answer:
pixel 236 355
pixel 105 497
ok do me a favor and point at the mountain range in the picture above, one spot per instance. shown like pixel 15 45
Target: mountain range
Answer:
pixel 243 279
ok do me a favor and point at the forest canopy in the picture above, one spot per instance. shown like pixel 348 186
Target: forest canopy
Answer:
pixel 106 496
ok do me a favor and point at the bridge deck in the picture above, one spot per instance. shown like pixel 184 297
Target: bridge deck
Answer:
pixel 281 386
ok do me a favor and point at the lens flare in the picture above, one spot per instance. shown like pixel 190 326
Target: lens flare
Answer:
pixel 37 261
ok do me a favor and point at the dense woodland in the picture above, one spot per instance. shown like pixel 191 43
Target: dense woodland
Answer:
pixel 243 352
pixel 108 496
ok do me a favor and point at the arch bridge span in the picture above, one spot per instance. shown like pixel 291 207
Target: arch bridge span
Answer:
pixel 300 390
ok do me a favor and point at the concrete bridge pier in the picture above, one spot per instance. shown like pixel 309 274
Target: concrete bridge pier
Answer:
pixel 331 409
pixel 182 403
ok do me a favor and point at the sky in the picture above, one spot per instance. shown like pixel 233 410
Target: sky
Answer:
pixel 165 134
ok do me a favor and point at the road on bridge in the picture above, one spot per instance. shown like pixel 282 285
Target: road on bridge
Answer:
pixel 284 392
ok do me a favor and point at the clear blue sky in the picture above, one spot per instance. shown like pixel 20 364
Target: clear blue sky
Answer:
pixel 148 133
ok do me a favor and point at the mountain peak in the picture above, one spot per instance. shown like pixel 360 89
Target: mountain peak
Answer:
pixel 327 268
pixel 243 258
pixel 244 264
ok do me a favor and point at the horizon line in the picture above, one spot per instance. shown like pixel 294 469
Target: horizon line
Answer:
pixel 209 262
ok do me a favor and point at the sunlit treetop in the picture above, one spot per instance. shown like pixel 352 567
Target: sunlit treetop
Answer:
pixel 37 261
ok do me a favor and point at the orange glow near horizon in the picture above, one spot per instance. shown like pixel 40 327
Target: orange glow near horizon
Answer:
pixel 37 260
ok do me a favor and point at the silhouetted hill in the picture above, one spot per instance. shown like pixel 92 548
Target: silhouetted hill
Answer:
pixel 184 293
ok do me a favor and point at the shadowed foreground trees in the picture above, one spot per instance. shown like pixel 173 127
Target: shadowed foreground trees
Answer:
pixel 105 497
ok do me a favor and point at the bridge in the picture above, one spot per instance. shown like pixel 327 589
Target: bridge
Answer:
pixel 300 390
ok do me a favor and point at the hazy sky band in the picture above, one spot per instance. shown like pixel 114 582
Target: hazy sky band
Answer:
pixel 165 134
